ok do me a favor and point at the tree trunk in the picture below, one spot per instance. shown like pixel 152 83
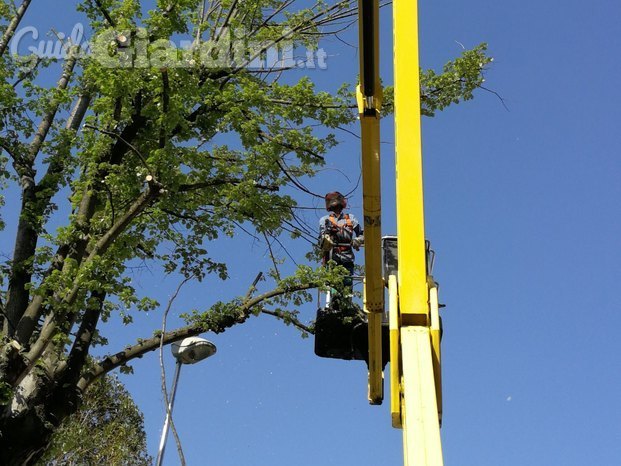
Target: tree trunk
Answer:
pixel 24 439
pixel 29 420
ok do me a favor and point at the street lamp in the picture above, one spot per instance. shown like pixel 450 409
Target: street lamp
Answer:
pixel 187 351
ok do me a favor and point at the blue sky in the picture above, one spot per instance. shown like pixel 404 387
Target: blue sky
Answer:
pixel 522 208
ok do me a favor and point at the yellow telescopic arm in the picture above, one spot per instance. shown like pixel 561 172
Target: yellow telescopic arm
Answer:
pixel 369 96
pixel 417 351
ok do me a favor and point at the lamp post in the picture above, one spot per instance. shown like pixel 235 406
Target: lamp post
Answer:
pixel 187 351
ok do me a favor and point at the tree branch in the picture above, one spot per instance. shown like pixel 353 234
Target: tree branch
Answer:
pixel 27 73
pixel 272 256
pixel 48 186
pixel 12 27
pixel 217 323
pixel 49 329
pixel 127 143
pixel 81 345
pixel 32 210
pixel 502 101
pixel 291 147
pixel 48 119
pixel 312 22
pixel 253 287
pixel 311 105
pixel 287 318
pixel 78 112
pixel 219 182
pixel 165 105
pixel 13 148
pixel 225 24
pixel 105 13
pixel 274 13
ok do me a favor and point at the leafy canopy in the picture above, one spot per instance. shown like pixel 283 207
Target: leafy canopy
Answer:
pixel 110 420
pixel 145 154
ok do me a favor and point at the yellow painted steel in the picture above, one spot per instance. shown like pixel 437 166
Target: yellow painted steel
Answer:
pixel 369 97
pixel 395 352
pixel 374 285
pixel 421 428
pixel 376 374
pixel 414 323
pixel 435 330
pixel 409 183
pixel 418 344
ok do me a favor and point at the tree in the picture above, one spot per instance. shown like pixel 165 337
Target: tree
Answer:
pixel 160 152
pixel 113 424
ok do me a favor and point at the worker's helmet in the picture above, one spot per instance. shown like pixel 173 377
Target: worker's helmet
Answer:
pixel 335 199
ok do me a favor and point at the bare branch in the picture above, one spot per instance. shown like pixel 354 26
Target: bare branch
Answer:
pixel 274 262
pixel 177 442
pixel 313 22
pixel 253 287
pixel 291 147
pixel 502 101
pixel 311 105
pixel 163 368
pixel 295 322
pixel 276 12
pixel 285 249
pixel 293 180
pixel 222 181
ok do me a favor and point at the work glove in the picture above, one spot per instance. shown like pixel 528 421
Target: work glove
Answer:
pixel 357 242
pixel 326 243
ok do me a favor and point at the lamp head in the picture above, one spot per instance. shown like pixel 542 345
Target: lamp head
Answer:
pixel 192 350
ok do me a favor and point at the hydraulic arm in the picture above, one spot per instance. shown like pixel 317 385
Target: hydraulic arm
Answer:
pixel 369 97
pixel 413 300
pixel 412 338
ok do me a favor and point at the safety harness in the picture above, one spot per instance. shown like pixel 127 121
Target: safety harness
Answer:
pixel 341 229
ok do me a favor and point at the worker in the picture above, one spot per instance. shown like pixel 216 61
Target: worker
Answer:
pixel 336 234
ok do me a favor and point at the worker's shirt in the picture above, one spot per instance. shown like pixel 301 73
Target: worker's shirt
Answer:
pixel 341 229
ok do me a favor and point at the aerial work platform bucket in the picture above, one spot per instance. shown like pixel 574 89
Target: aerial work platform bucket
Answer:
pixel 341 332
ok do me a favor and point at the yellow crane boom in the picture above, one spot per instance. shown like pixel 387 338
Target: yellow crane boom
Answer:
pixel 416 394
pixel 369 97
